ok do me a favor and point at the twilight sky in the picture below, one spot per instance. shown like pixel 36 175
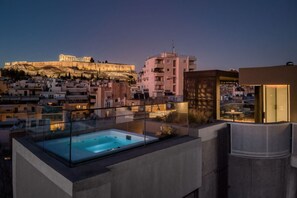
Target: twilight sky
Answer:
pixel 222 34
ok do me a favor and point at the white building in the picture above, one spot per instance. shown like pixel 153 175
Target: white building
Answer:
pixel 164 74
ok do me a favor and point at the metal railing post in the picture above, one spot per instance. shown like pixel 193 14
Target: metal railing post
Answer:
pixel 70 141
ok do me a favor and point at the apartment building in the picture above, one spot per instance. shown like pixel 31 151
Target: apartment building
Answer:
pixel 20 111
pixel 163 74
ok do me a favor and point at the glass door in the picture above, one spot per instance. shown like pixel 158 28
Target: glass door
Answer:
pixel 276 103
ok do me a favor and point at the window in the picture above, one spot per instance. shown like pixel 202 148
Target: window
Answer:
pixel 174 79
pixel 174 88
pixel 33 123
pixel 174 63
pixel 41 122
pixel 168 69
pixel 174 71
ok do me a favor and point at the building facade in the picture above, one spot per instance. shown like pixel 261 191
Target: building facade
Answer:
pixel 202 90
pixel 164 74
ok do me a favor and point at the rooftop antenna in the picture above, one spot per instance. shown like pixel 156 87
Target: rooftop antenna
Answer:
pixel 173 47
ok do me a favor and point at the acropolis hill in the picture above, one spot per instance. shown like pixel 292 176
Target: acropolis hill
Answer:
pixel 75 66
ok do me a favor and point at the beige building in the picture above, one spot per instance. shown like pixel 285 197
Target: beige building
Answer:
pixel 112 94
pixel 164 74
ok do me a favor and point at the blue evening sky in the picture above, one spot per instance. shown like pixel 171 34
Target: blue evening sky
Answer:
pixel 222 34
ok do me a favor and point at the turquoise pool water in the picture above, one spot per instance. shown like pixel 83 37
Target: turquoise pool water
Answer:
pixel 96 144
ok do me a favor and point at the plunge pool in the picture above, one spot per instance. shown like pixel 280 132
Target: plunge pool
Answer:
pixel 95 144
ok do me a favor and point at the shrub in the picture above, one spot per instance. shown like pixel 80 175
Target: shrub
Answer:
pixel 199 117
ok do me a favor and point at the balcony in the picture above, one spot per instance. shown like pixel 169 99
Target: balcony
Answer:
pixel 192 58
pixel 92 100
pixel 159 83
pixel 159 65
pixel 158 74
pixel 192 66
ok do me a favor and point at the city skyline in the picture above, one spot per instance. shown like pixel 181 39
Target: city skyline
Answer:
pixel 221 35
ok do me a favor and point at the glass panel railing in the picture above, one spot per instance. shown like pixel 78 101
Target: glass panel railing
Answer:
pixel 237 112
pixel 80 135
pixel 167 120
pixel 99 132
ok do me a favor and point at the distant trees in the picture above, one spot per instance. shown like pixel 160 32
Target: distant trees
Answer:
pixel 65 76
pixel 82 77
pixel 131 80
pixel 14 74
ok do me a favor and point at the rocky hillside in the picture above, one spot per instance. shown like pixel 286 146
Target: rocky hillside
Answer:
pixel 76 69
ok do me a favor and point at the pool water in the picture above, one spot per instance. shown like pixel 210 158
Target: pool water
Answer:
pixel 96 144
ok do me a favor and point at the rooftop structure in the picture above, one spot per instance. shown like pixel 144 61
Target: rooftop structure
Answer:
pixel 202 90
pixel 275 92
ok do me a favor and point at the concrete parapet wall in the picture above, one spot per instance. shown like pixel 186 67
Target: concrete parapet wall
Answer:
pixel 32 178
pixel 260 140
pixel 172 172
pixel 258 178
pixel 215 147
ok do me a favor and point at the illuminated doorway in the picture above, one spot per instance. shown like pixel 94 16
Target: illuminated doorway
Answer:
pixel 276 103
